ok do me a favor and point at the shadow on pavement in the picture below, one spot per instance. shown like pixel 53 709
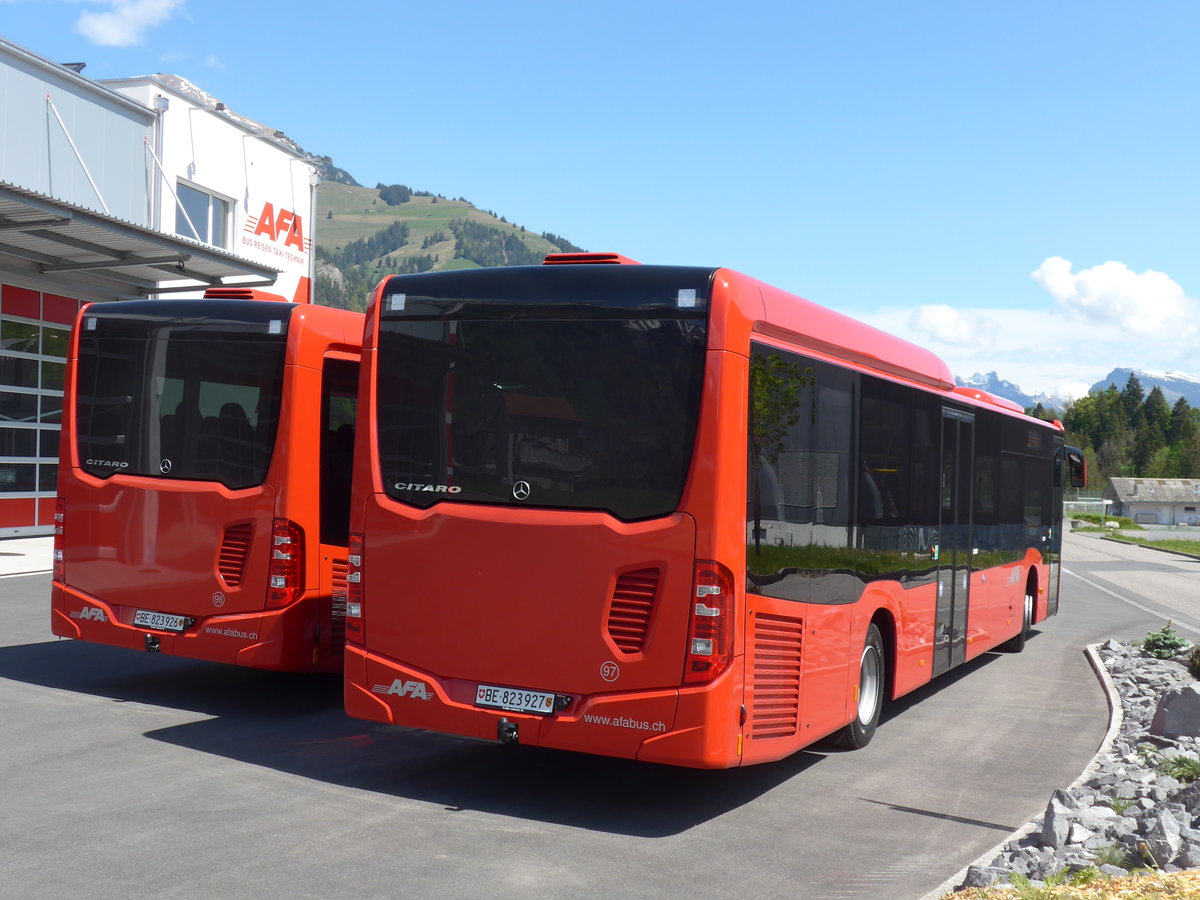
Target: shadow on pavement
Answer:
pixel 294 723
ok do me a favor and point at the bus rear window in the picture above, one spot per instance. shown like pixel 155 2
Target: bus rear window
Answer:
pixel 189 394
pixel 516 404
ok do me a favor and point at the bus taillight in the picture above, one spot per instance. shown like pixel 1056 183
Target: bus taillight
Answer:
pixel 710 627
pixel 60 516
pixel 286 579
pixel 354 586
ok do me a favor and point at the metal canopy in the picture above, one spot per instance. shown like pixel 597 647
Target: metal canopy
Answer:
pixel 81 249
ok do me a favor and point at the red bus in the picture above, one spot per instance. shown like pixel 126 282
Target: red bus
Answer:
pixel 204 479
pixel 675 514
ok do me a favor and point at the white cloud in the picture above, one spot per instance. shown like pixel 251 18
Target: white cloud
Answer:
pixel 1146 304
pixel 1033 349
pixel 959 328
pixel 1099 319
pixel 126 21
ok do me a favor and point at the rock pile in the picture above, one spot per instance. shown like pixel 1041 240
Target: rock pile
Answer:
pixel 1129 811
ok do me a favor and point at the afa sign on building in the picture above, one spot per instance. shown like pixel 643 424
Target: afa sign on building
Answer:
pixel 229 181
pixel 279 233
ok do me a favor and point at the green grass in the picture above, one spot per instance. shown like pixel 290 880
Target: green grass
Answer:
pixel 359 213
pixel 458 264
pixel 1123 522
pixel 1180 546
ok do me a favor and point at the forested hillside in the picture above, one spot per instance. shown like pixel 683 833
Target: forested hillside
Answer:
pixel 364 234
pixel 1128 433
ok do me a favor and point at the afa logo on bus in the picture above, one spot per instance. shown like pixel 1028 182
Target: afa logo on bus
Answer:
pixel 418 690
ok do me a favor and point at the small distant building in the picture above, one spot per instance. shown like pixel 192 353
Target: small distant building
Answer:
pixel 1155 501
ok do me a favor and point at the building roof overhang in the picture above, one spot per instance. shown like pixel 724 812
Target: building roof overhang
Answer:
pixel 79 250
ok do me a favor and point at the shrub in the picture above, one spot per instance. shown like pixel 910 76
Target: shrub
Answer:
pixel 1193 663
pixel 1164 643
pixel 1183 769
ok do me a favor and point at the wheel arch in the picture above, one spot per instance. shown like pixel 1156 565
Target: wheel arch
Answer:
pixel 884 619
pixel 1031 590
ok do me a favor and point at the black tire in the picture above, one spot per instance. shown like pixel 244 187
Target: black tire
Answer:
pixel 1017 644
pixel 872 681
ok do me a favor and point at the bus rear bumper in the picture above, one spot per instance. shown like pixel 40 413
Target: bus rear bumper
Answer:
pixel 635 725
pixel 280 640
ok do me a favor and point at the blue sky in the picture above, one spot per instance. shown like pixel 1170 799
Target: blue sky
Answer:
pixel 1013 185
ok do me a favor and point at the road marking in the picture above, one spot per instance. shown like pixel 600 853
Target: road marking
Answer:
pixel 1154 612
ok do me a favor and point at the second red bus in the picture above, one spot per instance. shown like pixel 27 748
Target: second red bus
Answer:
pixel 204 482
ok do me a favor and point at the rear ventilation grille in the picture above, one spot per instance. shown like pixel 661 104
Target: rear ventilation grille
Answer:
pixel 775 711
pixel 231 562
pixel 632 606
pixel 338 624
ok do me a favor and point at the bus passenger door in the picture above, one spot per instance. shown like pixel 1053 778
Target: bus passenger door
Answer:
pixel 339 397
pixel 1061 479
pixel 954 540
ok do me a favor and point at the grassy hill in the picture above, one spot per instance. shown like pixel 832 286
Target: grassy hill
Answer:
pixel 361 238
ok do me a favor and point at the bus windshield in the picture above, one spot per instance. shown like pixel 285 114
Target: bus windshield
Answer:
pixel 181 389
pixel 574 390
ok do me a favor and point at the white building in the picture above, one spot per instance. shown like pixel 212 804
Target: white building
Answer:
pixel 1155 501
pixel 228 181
pixel 142 187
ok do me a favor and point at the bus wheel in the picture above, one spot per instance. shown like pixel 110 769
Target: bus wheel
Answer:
pixel 1017 644
pixel 872 676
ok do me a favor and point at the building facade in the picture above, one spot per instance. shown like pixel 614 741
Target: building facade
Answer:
pixel 142 187
pixel 1155 501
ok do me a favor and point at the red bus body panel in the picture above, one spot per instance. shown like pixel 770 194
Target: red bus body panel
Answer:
pixel 515 594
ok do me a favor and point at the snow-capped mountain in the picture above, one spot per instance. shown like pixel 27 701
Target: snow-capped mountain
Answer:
pixel 1173 384
pixel 994 384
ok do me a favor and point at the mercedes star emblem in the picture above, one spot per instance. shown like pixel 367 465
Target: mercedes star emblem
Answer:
pixel 164 466
pixel 521 490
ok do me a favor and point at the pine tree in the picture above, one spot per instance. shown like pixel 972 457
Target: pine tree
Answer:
pixel 1150 433
pixel 1132 398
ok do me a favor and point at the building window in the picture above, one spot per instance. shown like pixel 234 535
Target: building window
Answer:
pixel 32 366
pixel 209 215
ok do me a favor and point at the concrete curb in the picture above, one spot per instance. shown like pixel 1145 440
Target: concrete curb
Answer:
pixel 1115 718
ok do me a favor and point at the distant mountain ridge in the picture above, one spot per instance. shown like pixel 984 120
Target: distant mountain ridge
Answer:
pixel 994 384
pixel 1173 384
pixel 363 234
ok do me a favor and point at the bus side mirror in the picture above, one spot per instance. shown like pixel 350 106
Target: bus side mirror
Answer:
pixel 1076 467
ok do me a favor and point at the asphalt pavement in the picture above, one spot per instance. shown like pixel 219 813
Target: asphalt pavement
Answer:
pixel 25 556
pixel 129 775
